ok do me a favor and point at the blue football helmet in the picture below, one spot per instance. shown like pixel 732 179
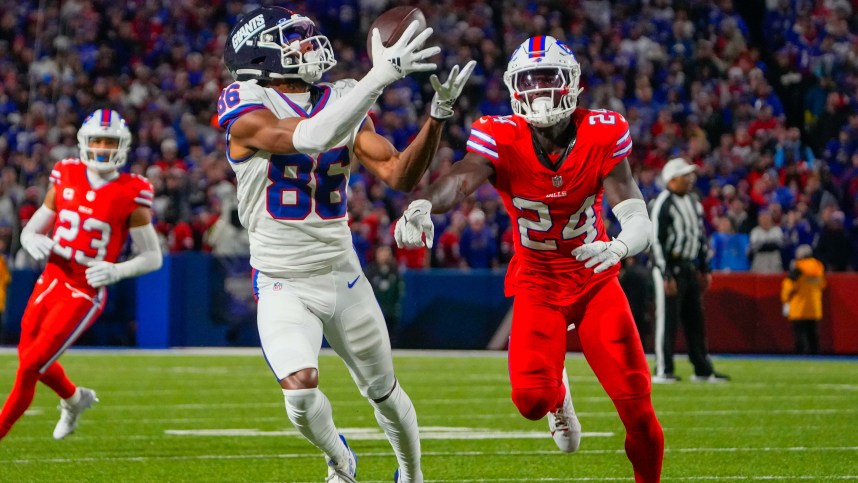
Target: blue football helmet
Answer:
pixel 277 43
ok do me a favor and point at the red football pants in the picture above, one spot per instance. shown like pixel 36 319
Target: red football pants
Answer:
pixel 612 347
pixel 56 316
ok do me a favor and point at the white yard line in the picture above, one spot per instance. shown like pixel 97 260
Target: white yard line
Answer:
pixel 315 455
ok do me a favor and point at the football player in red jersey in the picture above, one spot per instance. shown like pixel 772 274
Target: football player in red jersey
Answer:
pixel 89 212
pixel 552 164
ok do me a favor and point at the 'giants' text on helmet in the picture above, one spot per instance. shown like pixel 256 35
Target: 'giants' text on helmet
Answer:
pixel 276 43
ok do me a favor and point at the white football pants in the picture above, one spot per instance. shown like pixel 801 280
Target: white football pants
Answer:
pixel 295 311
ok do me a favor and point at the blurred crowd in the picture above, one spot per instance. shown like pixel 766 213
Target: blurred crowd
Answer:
pixel 762 97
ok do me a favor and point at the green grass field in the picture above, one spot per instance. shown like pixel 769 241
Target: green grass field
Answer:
pixel 183 417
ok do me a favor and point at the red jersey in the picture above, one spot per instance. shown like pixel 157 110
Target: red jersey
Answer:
pixel 553 209
pixel 91 224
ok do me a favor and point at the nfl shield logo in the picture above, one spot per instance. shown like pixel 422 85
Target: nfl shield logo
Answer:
pixel 278 286
pixel 557 181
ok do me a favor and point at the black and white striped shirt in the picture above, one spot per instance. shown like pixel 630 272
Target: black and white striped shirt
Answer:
pixel 679 232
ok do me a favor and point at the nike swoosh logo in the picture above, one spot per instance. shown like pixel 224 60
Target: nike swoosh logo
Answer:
pixel 353 282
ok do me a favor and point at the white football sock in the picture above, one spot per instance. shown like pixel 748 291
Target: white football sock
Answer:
pixel 398 419
pixel 74 398
pixel 310 412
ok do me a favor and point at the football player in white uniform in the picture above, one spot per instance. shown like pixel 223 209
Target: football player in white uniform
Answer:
pixel 291 141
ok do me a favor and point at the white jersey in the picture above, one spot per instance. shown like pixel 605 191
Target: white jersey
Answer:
pixel 293 205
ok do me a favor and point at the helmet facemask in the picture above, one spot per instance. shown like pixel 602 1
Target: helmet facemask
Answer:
pixel 304 53
pixel 104 124
pixel 543 84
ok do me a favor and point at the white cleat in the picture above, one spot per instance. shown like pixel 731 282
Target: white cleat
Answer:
pixel 344 471
pixel 563 422
pixel 70 413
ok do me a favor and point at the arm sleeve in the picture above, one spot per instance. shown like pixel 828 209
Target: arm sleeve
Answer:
pixel 40 223
pixel 148 258
pixel 332 125
pixel 636 232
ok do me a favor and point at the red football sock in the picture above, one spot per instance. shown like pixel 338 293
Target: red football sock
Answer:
pixel 644 438
pixel 56 379
pixel 19 399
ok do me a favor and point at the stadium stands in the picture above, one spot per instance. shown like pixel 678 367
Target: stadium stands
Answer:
pixel 764 101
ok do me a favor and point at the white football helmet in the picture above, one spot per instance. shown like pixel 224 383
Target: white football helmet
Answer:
pixel 104 123
pixel 542 78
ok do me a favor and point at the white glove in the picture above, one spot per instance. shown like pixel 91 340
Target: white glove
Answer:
pixel 447 93
pixel 402 58
pixel 37 245
pixel 100 274
pixel 415 222
pixel 600 254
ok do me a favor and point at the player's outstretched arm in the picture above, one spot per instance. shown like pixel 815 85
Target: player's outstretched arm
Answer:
pixel 449 190
pixel 262 130
pixel 628 206
pixel 402 171
pixel 144 240
pixel 34 236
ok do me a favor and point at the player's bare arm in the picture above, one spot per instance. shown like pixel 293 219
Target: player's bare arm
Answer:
pixel 262 130
pixel 620 185
pixel 449 190
pixel 141 216
pixel 402 170
pixel 463 179
pixel 628 206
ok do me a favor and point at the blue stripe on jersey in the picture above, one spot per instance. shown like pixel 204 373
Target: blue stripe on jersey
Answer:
pixel 624 151
pixel 300 110
pixel 231 116
pixel 230 158
pixel 483 137
pixel 480 149
pixel 105 117
pixel 322 102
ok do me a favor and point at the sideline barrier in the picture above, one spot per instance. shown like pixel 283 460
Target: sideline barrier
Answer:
pixel 199 300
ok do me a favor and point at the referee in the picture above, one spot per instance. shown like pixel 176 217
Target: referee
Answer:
pixel 680 256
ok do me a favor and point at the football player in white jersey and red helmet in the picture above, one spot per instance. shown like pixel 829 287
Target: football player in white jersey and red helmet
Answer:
pixel 552 163
pixel 292 141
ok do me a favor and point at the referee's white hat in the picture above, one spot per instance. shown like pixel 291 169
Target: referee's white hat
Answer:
pixel 676 167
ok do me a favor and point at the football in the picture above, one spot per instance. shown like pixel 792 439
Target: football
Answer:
pixel 392 23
